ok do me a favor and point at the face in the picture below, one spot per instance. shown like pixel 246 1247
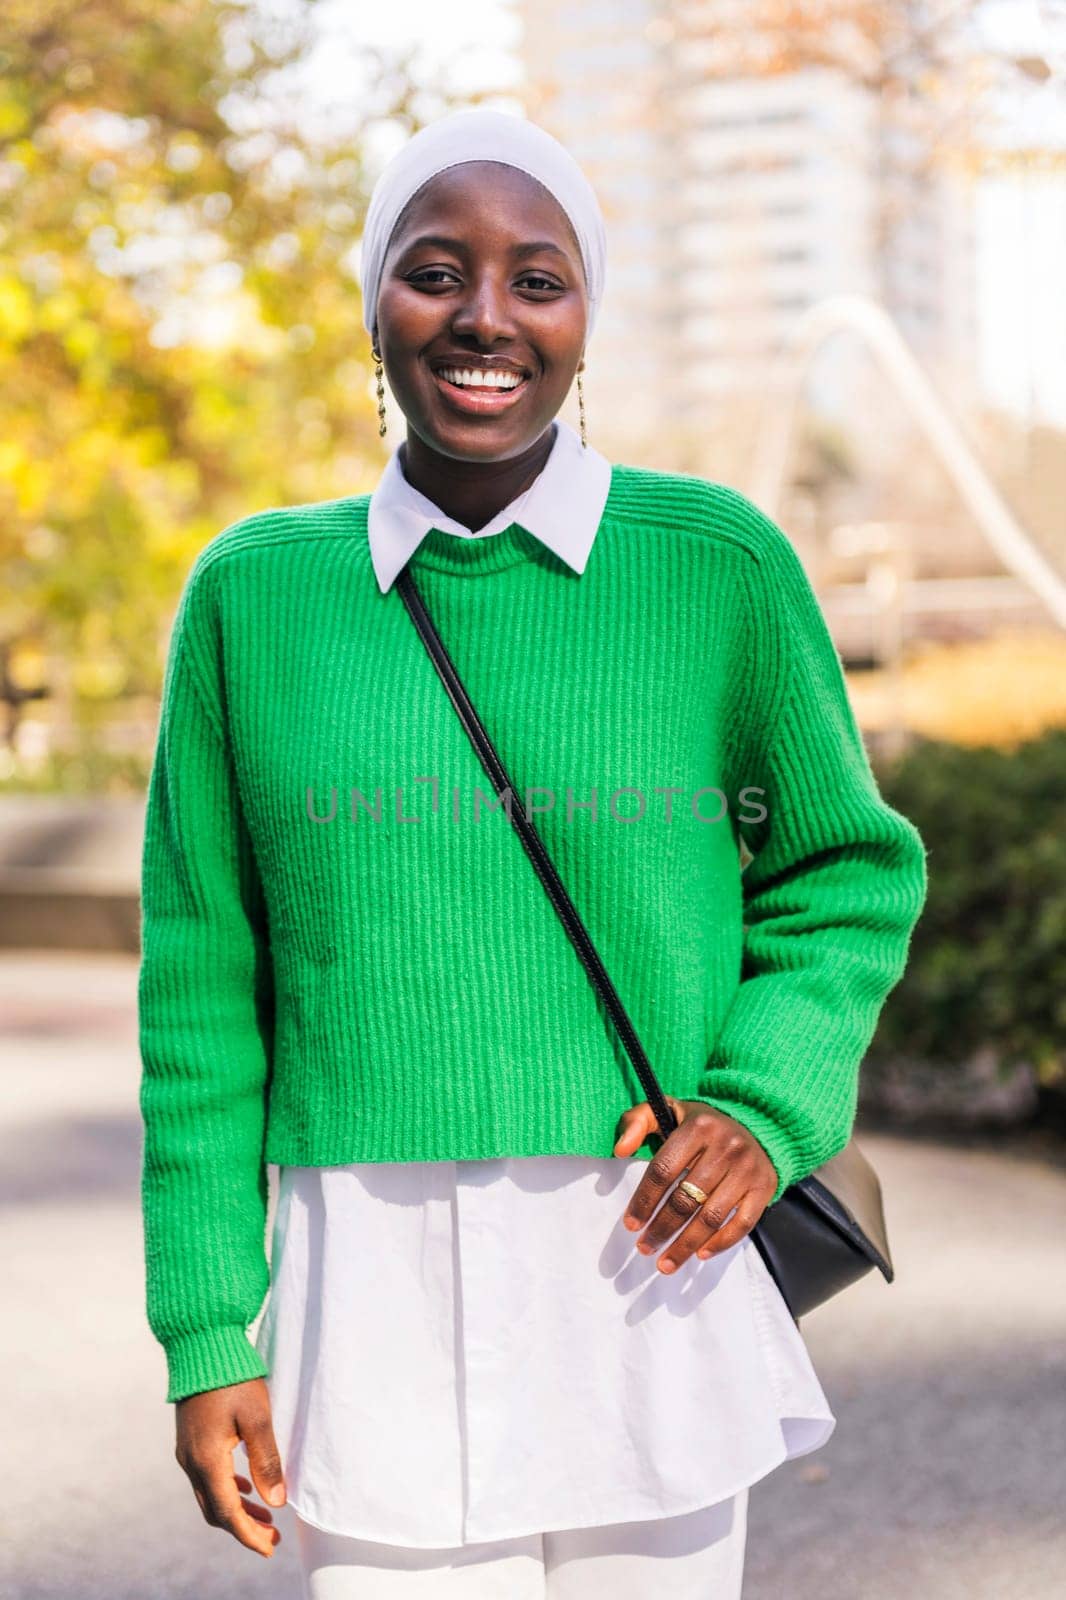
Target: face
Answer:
pixel 482 272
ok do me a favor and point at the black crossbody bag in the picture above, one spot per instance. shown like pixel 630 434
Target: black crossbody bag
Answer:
pixel 825 1231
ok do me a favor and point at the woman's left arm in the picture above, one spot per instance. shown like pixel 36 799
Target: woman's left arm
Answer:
pixel 831 898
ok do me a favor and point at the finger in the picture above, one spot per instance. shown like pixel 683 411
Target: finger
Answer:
pixel 741 1223
pixel 260 1513
pixel 251 1505
pixel 669 1163
pixel 640 1121
pixel 707 1173
pixel 637 1123
pixel 264 1459
pixel 226 1510
pixel 720 1205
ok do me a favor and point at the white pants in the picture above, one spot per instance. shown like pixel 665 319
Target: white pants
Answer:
pixel 698 1556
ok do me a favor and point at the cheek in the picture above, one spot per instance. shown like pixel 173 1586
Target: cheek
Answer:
pixel 562 338
pixel 411 318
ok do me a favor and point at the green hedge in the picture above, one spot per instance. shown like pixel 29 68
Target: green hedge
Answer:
pixel 988 957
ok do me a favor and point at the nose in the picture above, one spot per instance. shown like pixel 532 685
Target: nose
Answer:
pixel 484 311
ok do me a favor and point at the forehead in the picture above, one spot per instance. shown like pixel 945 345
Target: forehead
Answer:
pixel 473 192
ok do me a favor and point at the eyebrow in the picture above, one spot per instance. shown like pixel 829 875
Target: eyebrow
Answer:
pixel 459 245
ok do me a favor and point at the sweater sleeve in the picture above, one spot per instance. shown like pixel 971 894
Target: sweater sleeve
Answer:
pixel 836 884
pixel 205 1029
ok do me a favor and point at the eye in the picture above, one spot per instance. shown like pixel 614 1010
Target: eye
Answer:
pixel 426 274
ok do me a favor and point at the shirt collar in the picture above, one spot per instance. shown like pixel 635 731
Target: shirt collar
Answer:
pixel 562 507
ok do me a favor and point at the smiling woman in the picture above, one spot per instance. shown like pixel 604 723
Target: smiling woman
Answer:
pixel 469 1372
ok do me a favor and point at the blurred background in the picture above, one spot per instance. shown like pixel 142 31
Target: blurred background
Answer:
pixel 837 252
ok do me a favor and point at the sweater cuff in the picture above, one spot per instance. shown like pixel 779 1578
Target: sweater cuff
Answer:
pixel 770 1135
pixel 211 1359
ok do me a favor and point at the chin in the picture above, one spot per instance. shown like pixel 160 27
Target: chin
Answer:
pixel 480 441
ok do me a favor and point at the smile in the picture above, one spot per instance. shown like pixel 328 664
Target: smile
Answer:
pixel 480 399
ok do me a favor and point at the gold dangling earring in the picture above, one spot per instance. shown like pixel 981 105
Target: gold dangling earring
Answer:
pixel 379 374
pixel 581 405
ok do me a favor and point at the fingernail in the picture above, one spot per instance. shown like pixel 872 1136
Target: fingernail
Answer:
pixel 276 1495
pixel 667 1266
pixel 631 1223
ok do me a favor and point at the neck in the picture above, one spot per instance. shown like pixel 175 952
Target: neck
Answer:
pixel 472 492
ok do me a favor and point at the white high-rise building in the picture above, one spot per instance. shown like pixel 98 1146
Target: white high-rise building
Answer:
pixel 734 204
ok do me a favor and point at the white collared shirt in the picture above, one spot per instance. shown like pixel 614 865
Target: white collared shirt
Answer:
pixel 562 508
pixel 473 1350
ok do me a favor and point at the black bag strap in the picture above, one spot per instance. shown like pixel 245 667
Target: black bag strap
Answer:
pixel 534 847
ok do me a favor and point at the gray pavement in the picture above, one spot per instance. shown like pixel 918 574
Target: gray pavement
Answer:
pixel 945 1477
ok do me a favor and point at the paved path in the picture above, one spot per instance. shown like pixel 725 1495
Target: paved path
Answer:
pixel 943 1481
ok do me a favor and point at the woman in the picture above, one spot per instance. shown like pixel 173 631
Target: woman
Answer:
pixel 466 1376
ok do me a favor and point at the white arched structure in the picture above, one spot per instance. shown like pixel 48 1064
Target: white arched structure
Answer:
pixel 866 319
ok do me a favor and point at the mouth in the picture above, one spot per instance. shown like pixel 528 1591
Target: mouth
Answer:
pixel 482 399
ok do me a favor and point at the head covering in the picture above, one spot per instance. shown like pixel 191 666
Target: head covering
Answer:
pixel 476 133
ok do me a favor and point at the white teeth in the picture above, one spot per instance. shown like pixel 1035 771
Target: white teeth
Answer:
pixel 477 379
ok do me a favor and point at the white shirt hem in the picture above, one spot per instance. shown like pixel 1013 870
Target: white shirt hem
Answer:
pixel 636 1511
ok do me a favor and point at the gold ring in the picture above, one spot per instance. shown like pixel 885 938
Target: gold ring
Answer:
pixel 694 1190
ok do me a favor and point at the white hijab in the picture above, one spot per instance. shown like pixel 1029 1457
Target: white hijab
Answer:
pixel 476 133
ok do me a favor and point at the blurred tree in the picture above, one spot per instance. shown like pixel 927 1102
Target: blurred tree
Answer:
pixel 181 335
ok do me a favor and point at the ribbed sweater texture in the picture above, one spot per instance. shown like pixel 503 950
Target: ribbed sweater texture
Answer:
pixel 341 961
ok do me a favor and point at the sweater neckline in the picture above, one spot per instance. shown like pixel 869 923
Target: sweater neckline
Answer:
pixel 444 551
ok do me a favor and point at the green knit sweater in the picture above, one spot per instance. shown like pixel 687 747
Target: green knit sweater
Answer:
pixel 346 953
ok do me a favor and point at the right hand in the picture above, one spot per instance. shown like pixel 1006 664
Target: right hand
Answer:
pixel 209 1427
